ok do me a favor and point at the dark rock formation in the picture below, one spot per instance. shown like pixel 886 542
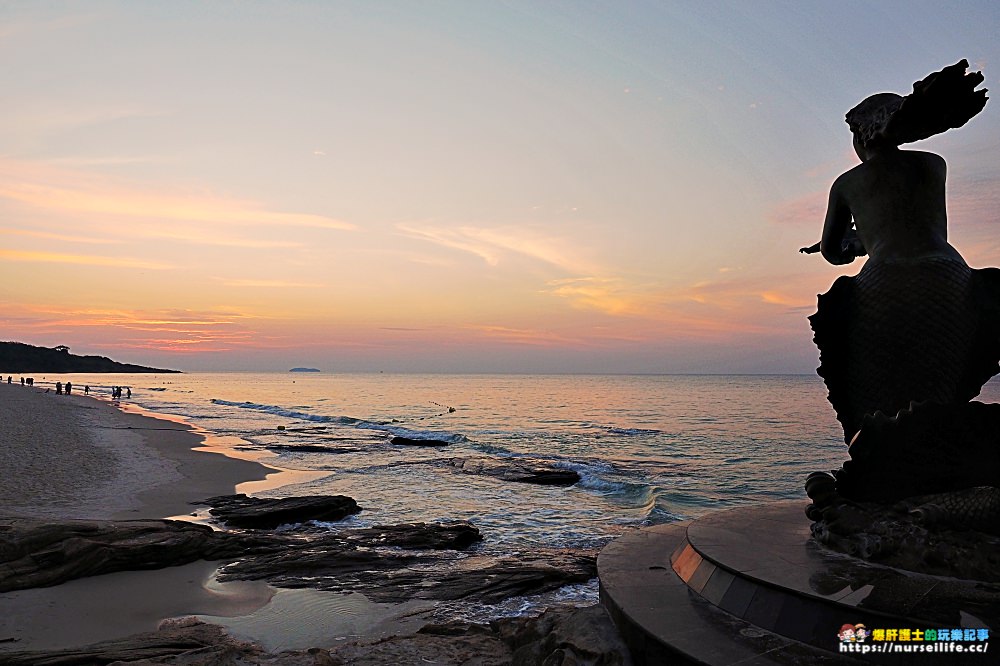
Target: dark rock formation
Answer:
pixel 34 553
pixel 19 357
pixel 457 535
pixel 393 576
pixel 559 637
pixel 413 441
pixel 267 513
pixel 584 636
pixel 387 563
pixel 520 472
pixel 311 448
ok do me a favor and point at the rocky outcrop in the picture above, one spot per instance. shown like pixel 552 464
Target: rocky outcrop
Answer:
pixel 35 553
pixel 267 513
pixel 389 563
pixel 559 637
pixel 457 535
pixel 564 637
pixel 393 576
pixel 414 441
pixel 519 472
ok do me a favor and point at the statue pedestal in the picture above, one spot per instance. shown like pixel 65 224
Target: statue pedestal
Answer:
pixel 750 586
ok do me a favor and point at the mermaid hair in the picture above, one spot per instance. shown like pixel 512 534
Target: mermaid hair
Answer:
pixel 943 100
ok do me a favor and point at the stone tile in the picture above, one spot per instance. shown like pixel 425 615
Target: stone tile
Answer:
pixel 717 586
pixel 701 575
pixel 686 563
pixel 764 608
pixel 737 598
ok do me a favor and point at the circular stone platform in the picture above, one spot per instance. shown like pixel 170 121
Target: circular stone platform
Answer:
pixel 749 586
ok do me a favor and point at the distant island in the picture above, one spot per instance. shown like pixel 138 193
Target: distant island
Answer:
pixel 19 357
pixel 304 370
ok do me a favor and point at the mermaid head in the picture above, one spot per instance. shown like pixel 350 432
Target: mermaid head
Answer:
pixel 869 120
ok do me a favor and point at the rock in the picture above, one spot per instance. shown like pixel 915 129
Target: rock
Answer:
pixel 311 448
pixel 452 643
pixel 519 472
pixel 564 637
pixel 267 513
pixel 558 637
pixel 393 576
pixel 457 535
pixel 413 441
pixel 35 553
pixel 392 563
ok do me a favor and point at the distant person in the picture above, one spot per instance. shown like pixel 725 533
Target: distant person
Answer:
pixel 58 388
pixel 86 389
pixel 22 381
pixel 129 392
pixel 9 379
pixel 31 381
pixel 69 387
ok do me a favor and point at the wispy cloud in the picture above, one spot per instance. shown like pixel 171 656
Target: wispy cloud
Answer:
pixel 522 336
pixel 157 330
pixel 804 211
pixel 46 187
pixel 269 284
pixel 67 238
pixel 493 244
pixel 80 259
pixel 609 295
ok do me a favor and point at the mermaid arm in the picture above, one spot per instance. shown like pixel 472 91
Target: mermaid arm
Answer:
pixel 835 229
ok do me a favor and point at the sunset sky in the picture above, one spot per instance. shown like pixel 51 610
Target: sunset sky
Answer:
pixel 451 186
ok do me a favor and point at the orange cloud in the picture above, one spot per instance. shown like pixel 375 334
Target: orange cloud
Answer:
pixel 80 259
pixel 270 284
pixel 172 331
pixel 59 237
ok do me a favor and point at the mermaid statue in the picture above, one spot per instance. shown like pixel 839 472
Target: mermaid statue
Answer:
pixel 909 341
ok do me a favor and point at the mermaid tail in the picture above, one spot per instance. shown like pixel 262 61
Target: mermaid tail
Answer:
pixel 907 331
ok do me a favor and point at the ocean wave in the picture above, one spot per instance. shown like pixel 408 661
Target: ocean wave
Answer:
pixel 632 432
pixel 397 430
pixel 287 413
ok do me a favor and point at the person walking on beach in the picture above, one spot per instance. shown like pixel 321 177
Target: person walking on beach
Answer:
pixel 86 389
pixel 58 388
pixel 129 392
pixel 69 387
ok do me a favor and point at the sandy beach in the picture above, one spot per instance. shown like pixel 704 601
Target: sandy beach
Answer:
pixel 79 457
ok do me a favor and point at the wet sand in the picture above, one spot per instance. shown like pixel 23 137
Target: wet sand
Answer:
pixel 80 457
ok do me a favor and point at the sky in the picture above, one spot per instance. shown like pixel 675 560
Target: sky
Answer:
pixel 452 186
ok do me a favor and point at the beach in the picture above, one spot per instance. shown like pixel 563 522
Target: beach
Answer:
pixel 79 465
pixel 73 456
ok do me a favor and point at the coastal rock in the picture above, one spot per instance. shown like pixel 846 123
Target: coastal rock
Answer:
pixel 414 441
pixel 393 576
pixel 457 535
pixel 267 513
pixel 519 472
pixel 36 553
pixel 558 637
pixel 564 637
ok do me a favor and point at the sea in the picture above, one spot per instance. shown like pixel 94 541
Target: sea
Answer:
pixel 649 449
